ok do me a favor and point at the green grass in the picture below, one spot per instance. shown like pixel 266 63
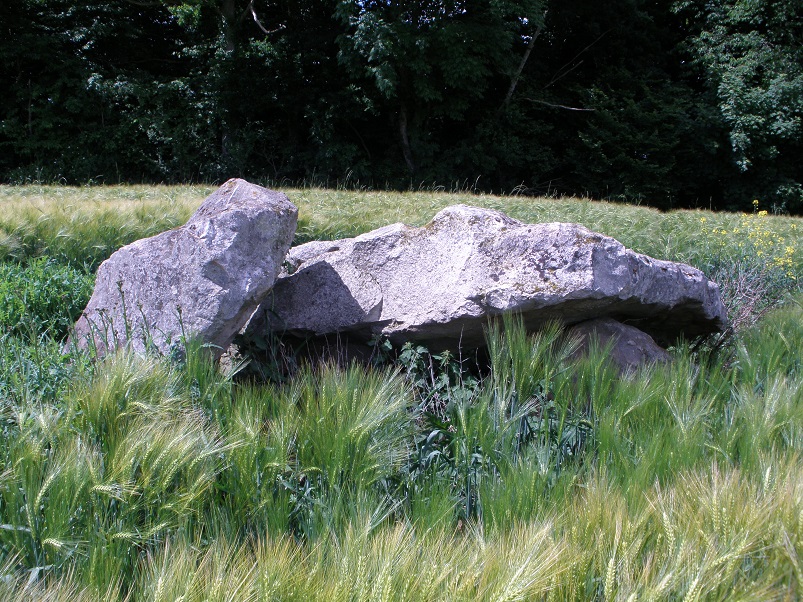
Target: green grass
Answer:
pixel 81 221
pixel 755 258
pixel 146 478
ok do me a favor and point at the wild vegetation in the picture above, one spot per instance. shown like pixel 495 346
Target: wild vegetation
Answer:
pixel 420 478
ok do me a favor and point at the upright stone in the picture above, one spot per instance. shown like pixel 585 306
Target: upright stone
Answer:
pixel 203 279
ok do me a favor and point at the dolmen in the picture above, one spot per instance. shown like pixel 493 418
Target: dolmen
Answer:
pixel 439 284
pixel 230 269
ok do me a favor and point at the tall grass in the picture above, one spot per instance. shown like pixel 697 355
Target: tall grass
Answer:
pixel 755 257
pixel 95 221
pixel 158 480
pixel 83 226
pixel 546 477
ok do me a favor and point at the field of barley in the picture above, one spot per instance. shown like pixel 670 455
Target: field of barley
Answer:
pixel 420 478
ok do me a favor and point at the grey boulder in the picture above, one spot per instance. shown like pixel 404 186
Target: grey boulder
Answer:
pixel 439 284
pixel 628 347
pixel 203 279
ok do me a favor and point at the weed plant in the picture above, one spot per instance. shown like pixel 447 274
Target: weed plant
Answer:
pixel 543 477
pixel 42 297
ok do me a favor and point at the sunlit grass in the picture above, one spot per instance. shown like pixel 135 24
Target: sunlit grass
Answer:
pixel 86 225
pixel 548 478
pixel 755 257
pixel 158 481
pixel 35 218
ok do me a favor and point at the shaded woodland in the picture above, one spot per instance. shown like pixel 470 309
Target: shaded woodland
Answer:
pixel 671 103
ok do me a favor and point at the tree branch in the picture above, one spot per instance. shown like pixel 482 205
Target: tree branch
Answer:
pixel 563 71
pixel 405 141
pixel 557 106
pixel 250 9
pixel 515 79
pixel 145 3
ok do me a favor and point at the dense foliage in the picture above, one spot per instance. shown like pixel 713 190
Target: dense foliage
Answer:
pixel 42 297
pixel 671 103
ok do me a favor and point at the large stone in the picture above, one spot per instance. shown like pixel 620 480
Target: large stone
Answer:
pixel 628 347
pixel 204 279
pixel 439 284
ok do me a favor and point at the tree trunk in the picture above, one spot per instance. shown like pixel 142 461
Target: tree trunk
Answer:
pixel 405 140
pixel 515 79
pixel 229 12
pixel 229 15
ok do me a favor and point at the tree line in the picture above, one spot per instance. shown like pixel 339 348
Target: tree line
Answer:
pixel 673 103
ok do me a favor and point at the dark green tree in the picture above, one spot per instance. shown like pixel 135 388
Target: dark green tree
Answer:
pixel 752 57
pixel 667 102
pixel 255 92
pixel 430 65
pixel 44 101
pixel 626 117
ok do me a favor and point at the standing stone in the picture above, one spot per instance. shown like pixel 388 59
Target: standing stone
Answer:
pixel 203 279
pixel 439 284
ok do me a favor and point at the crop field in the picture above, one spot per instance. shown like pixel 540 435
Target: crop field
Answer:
pixel 421 477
